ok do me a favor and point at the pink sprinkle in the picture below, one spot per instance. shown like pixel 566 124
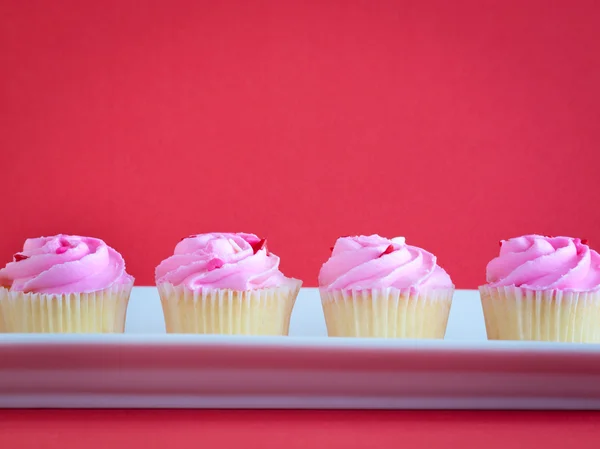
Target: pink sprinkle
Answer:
pixel 257 246
pixel 213 264
pixel 388 250
pixel 188 237
pixel 65 245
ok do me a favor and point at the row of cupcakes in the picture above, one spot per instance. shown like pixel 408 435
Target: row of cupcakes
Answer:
pixel 538 288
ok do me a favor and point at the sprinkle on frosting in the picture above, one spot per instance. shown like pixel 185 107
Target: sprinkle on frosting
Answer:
pixel 257 246
pixel 236 261
pixel 388 250
pixel 64 264
pixel 368 262
pixel 543 263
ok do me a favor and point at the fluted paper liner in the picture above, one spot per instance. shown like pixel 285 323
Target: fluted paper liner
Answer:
pixel 513 313
pixel 388 312
pixel 265 311
pixel 98 312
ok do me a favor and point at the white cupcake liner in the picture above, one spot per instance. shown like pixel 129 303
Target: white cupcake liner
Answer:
pixel 513 313
pixel 387 313
pixel 98 312
pixel 264 311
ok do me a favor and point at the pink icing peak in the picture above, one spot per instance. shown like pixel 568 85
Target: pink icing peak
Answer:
pixel 540 262
pixel 236 261
pixel 64 264
pixel 369 262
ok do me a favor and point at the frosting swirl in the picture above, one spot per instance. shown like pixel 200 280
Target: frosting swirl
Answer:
pixel 368 262
pixel 236 261
pixel 64 264
pixel 543 263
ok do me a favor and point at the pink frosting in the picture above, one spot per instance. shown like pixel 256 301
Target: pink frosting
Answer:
pixel 544 263
pixel 64 264
pixel 374 262
pixel 236 261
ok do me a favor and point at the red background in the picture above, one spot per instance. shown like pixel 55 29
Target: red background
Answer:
pixel 454 124
pixel 284 429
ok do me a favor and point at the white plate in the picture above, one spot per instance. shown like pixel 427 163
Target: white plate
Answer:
pixel 147 368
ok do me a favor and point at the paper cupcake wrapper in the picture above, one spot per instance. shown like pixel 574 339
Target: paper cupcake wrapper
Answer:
pixel 98 312
pixel 513 313
pixel 388 313
pixel 264 311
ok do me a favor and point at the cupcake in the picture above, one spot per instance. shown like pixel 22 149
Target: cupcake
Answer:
pixel 225 283
pixel 543 288
pixel 375 287
pixel 64 283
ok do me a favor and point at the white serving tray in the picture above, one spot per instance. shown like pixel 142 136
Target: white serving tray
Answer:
pixel 147 368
